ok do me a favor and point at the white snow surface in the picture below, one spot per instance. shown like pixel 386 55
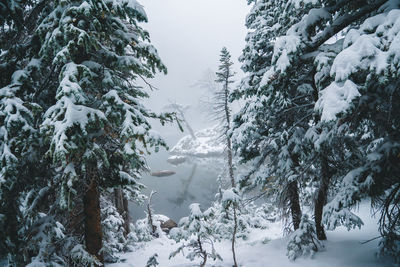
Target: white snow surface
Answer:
pixel 335 99
pixel 267 248
pixel 374 48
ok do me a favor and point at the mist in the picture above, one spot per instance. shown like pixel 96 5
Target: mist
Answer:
pixel 189 35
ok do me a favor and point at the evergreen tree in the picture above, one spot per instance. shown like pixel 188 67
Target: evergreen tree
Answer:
pixel 152 262
pixel 345 80
pixel 197 229
pixel 367 117
pixel 338 143
pixel 303 241
pixel 21 165
pixel 222 112
pixel 270 129
pixel 221 106
pixel 71 122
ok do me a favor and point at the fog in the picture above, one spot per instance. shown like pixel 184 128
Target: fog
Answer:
pixel 189 35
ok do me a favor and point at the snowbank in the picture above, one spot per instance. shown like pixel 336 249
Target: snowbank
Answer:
pixel 266 248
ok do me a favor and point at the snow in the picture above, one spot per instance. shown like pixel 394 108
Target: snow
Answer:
pixel 136 6
pixel 350 38
pixel 357 56
pixel 284 45
pixel 267 248
pixel 195 210
pixel 230 195
pixel 205 145
pixel 312 18
pixel 176 160
pixel 300 3
pixel 73 115
pixel 335 99
pixel 18 75
pixel 365 50
pixel 374 47
pixel 372 23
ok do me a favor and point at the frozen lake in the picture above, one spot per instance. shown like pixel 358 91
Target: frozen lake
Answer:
pixel 192 182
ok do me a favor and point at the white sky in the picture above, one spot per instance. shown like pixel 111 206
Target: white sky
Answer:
pixel 189 35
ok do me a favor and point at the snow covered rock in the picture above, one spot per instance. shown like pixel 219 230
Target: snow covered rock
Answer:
pixel 176 160
pixel 162 173
pixel 206 144
pixel 166 226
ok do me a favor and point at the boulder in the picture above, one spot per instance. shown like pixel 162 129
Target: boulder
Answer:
pixel 168 225
pixel 162 173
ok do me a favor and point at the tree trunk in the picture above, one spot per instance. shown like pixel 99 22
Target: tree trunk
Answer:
pixel 126 216
pixel 118 200
pixel 234 236
pixel 228 126
pixel 294 204
pixel 203 252
pixel 321 198
pixel 93 233
pixel 230 164
pixel 121 204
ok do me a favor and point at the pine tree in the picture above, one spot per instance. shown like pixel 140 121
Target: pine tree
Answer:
pixel 221 106
pixel 20 164
pixel 152 262
pixel 270 129
pixel 366 116
pixel 197 229
pixel 223 113
pixel 345 87
pixel 350 122
pixel 72 122
pixel 303 241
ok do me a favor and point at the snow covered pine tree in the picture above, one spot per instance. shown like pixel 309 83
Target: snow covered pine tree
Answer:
pixel 222 113
pixel 77 62
pixel 317 98
pixel 269 130
pixel 197 229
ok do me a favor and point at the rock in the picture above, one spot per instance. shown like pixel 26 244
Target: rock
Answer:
pixel 162 173
pixel 168 225
pixel 176 160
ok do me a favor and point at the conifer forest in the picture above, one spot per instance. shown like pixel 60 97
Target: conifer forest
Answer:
pixel 284 152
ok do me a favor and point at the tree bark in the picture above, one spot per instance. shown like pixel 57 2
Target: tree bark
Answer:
pixel 203 252
pixel 321 198
pixel 234 236
pixel 118 200
pixel 294 204
pixel 93 233
pixel 228 126
pixel 230 164
pixel 121 204
pixel 126 216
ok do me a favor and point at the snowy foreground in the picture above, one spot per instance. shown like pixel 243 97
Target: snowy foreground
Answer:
pixel 266 248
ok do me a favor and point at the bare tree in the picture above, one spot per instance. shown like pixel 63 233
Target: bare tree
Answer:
pixel 180 111
pixel 153 228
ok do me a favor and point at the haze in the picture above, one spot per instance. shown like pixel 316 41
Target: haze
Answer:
pixel 189 35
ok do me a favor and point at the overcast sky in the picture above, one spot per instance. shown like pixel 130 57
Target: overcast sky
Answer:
pixel 189 35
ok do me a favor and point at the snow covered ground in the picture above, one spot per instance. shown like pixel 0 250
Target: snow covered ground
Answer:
pixel 267 248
